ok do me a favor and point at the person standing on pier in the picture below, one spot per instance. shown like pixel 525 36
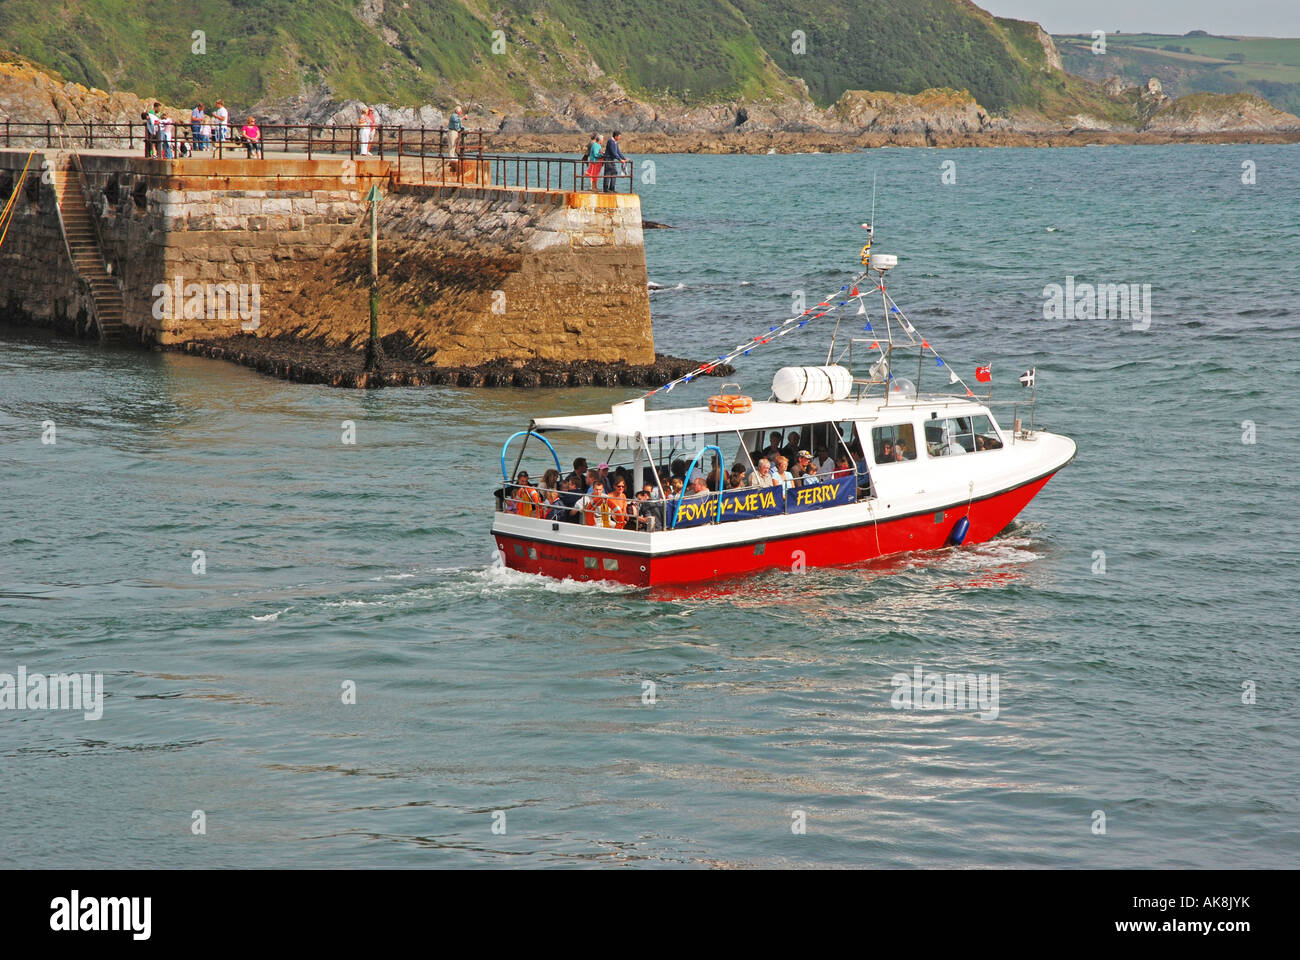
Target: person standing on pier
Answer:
pixel 594 150
pixel 366 130
pixel 165 135
pixel 198 116
pixel 456 130
pixel 614 159
pixel 222 116
pixel 151 131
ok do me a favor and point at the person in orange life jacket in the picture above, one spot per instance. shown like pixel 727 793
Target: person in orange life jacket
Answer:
pixel 528 502
pixel 618 503
pixel 595 507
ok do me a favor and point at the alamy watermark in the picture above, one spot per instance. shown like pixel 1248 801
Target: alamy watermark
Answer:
pixel 209 301
pixel 57 691
pixel 1104 301
pixel 919 690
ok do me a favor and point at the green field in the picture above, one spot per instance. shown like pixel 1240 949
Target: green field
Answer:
pixel 1266 66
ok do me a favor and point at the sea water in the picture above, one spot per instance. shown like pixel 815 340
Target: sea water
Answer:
pixel 308 657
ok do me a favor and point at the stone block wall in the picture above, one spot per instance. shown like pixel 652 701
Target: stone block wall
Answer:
pixel 38 285
pixel 467 274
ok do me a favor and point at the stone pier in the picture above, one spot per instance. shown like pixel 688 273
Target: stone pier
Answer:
pixel 205 248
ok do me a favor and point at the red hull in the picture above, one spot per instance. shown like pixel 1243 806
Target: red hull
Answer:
pixel 845 545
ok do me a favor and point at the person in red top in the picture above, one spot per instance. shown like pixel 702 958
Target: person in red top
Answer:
pixel 252 137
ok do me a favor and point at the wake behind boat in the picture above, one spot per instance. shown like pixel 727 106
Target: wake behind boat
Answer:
pixel 835 468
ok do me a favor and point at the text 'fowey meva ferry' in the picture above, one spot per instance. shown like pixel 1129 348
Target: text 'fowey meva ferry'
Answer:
pixel 834 468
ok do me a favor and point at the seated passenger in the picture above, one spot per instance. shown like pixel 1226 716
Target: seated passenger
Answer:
pixel 948 445
pixel 762 475
pixel 595 507
pixel 553 507
pixel 842 468
pixel 618 503
pixel 805 460
pixel 528 502
pixel 579 474
pixel 736 476
pixel 886 454
pixel 791 449
pixel 825 465
pixel 569 497
pixel 649 514
pixel 593 477
pixel 810 474
pixel 783 471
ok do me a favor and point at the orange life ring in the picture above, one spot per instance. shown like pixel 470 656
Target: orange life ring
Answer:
pixel 730 403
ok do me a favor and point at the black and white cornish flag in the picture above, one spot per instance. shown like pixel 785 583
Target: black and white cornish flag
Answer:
pixel 1027 378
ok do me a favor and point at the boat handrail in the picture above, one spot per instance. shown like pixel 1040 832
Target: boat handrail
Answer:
pixel 505 477
pixel 673 503
pixel 722 472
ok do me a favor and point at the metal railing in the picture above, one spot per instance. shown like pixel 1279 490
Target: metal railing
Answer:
pixel 426 149
pixel 666 508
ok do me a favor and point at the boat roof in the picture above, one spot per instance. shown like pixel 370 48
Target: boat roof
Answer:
pixel 631 418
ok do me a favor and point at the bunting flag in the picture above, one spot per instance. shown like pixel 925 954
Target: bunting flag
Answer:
pixel 773 332
pixel 1028 377
pixel 983 374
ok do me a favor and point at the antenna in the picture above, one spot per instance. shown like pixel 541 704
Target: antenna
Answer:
pixel 873 203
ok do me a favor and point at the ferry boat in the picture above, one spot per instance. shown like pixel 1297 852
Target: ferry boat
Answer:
pixel 921 471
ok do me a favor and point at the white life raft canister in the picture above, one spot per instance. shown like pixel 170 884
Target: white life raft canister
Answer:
pixel 810 384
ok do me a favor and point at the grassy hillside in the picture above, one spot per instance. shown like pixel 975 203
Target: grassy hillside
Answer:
pixel 431 51
pixel 1266 66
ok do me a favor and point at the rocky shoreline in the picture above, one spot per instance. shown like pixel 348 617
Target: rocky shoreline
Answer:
pixel 308 362
pixel 799 143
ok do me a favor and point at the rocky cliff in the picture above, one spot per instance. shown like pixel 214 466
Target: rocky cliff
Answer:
pixel 859 118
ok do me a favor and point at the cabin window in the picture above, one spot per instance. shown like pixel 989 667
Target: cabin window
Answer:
pixel 957 435
pixel 949 436
pixel 609 563
pixel 893 443
pixel 986 435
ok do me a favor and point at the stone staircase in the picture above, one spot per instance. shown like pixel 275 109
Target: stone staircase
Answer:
pixel 83 244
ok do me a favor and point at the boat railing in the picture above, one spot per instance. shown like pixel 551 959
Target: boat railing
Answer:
pixel 686 511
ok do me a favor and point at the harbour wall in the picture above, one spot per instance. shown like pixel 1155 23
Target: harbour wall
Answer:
pixel 206 248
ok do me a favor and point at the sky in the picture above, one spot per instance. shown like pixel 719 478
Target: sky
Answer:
pixel 1253 18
